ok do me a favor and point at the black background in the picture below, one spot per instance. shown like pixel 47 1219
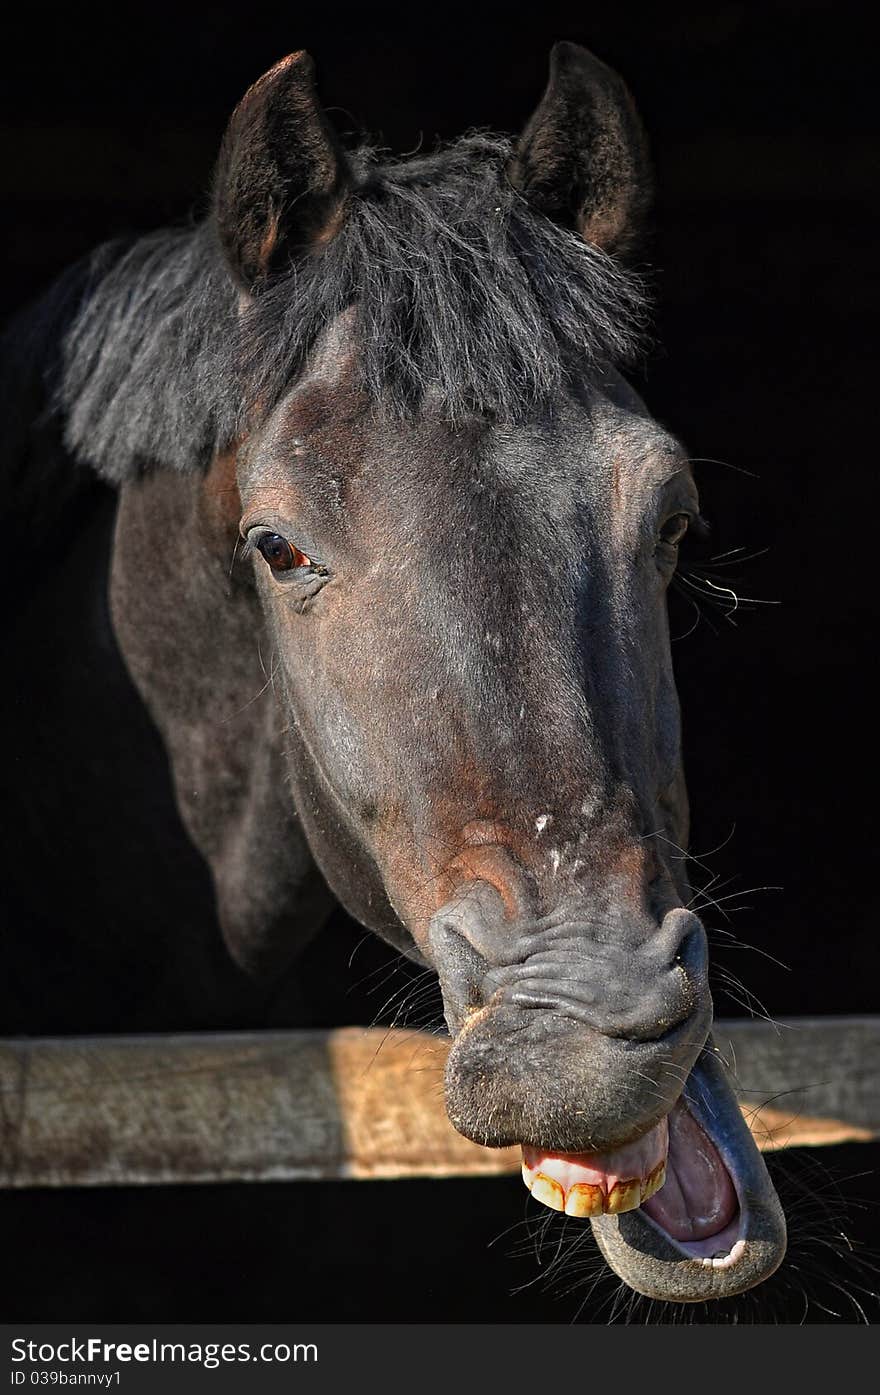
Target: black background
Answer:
pixel 762 122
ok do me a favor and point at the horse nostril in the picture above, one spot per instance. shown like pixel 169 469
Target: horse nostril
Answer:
pixel 687 937
pixel 460 968
pixel 685 948
pixel 693 951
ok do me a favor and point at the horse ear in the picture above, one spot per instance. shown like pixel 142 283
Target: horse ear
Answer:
pixel 582 158
pixel 281 176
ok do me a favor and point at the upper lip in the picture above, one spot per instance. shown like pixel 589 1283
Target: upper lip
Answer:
pixel 641 1079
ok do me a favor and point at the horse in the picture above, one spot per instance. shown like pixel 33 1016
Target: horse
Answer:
pixel 343 518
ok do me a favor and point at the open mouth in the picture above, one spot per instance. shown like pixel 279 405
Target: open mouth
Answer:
pixel 674 1172
pixel 596 1184
pixel 686 1212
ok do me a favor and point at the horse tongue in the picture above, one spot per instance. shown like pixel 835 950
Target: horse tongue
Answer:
pixel 698 1198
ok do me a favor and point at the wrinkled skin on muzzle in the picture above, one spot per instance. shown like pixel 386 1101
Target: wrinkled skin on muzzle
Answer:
pixel 592 1024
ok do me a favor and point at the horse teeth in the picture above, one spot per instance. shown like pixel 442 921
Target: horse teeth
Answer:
pixel 549 1192
pixel 654 1181
pixel 624 1196
pixel 583 1200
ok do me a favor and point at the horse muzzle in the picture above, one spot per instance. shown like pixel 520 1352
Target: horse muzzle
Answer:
pixel 589 1048
pixel 577 1036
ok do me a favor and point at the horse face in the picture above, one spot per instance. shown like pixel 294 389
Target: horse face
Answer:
pixel 470 637
pixel 470 645
pixel 472 652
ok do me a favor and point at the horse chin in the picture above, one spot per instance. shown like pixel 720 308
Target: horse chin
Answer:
pixel 659 1249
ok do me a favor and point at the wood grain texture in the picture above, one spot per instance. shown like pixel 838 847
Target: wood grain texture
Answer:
pixel 352 1103
pixel 806 1081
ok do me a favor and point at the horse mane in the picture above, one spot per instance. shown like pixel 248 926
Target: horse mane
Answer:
pixel 460 288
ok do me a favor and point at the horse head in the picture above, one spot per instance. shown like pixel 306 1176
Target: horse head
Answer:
pixel 458 525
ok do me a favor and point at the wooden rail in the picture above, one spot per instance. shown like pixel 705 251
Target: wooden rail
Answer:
pixel 352 1103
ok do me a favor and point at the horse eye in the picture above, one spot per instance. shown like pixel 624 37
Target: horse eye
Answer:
pixel 674 529
pixel 281 555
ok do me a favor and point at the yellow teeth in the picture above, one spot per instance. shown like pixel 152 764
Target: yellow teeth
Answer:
pixel 625 1196
pixel 583 1200
pixel 654 1181
pixel 550 1192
